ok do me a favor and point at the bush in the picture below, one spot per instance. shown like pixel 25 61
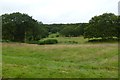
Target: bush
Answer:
pixel 48 41
pixel 41 42
pixel 73 42
pixel 5 41
pixel 103 40
pixel 32 42
pixel 54 35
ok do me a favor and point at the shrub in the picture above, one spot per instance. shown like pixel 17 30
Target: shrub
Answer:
pixel 73 42
pixel 41 42
pixel 32 42
pixel 48 41
pixel 5 40
pixel 54 35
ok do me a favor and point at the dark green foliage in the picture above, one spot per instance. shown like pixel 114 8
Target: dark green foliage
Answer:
pixel 32 42
pixel 118 27
pixel 67 30
pixel 103 40
pixel 54 28
pixel 15 26
pixel 21 28
pixel 48 41
pixel 73 30
pixel 103 26
pixel 51 41
pixel 41 42
pixel 5 41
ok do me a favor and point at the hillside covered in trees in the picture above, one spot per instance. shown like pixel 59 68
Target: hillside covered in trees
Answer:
pixel 22 27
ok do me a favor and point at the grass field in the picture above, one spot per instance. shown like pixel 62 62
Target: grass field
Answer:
pixel 86 60
pixel 65 40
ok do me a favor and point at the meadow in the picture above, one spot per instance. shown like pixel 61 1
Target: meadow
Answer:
pixel 62 60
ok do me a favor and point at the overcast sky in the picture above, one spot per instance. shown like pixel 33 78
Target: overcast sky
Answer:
pixel 60 11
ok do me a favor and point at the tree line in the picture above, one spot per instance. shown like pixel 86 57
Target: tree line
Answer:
pixel 22 27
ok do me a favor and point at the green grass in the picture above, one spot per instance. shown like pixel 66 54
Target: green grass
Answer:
pixel 83 60
pixel 65 40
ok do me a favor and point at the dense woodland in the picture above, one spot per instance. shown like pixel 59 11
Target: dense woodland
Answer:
pixel 22 28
